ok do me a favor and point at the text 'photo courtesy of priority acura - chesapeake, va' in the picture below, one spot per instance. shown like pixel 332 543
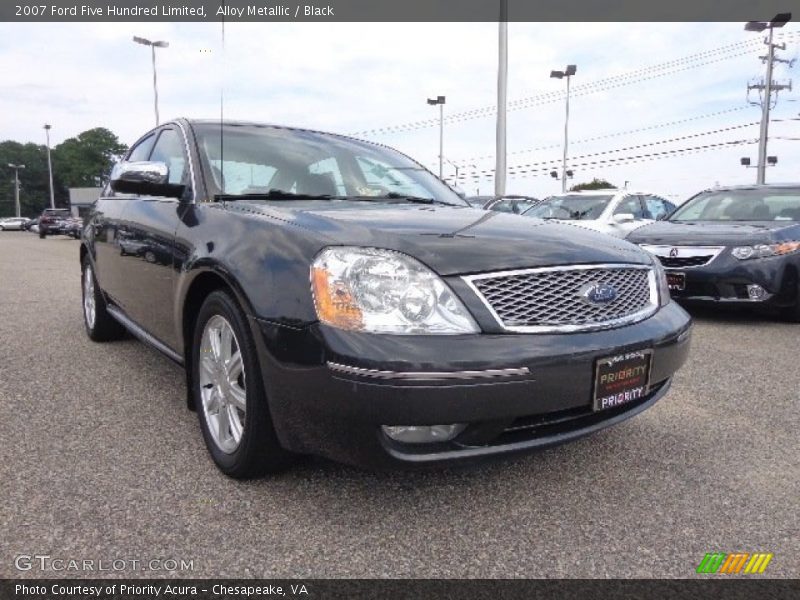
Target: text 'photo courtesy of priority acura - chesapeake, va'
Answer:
pixel 330 296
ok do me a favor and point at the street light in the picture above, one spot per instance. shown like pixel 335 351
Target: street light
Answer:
pixel 153 46
pixel 49 165
pixel 433 102
pixel 568 73
pixel 16 185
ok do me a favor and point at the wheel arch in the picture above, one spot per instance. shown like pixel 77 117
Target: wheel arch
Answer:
pixel 203 281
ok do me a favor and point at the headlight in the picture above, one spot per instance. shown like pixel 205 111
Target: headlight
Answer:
pixel 382 291
pixel 661 281
pixel 765 250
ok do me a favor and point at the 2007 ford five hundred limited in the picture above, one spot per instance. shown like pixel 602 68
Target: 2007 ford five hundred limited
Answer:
pixel 330 296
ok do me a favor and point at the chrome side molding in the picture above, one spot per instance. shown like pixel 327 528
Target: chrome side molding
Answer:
pixel 427 375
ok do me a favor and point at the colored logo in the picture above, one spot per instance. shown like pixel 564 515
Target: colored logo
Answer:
pixel 733 564
pixel 598 293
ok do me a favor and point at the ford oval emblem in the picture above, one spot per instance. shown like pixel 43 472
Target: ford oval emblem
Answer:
pixel 598 293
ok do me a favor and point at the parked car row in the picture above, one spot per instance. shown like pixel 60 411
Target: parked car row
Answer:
pixel 53 221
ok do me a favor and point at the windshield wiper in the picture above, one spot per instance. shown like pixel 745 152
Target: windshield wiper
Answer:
pixel 409 198
pixel 274 195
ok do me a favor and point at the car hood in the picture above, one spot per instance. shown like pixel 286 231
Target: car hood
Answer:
pixel 453 240
pixel 710 232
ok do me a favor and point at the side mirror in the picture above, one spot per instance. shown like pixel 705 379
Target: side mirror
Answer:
pixel 144 178
pixel 624 218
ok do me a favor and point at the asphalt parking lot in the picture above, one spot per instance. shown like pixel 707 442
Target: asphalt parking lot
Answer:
pixel 101 460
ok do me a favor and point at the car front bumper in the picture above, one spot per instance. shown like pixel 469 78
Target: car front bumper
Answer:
pixel 330 391
pixel 725 280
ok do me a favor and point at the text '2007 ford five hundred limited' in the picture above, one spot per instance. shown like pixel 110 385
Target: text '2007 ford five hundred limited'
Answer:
pixel 331 296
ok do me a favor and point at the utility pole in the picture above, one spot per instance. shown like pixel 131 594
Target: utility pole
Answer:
pixel 768 86
pixel 16 186
pixel 502 95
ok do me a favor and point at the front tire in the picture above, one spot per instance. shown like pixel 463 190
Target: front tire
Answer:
pixel 100 325
pixel 229 393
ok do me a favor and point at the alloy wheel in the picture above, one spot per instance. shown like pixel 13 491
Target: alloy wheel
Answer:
pixel 222 384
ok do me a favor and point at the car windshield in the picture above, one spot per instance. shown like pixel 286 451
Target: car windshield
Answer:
pixel 573 207
pixel 742 205
pixel 291 164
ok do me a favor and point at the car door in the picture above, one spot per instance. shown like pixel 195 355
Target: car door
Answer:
pixel 104 228
pixel 630 204
pixel 146 244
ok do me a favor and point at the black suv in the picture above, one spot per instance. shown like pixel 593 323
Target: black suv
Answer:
pixel 331 296
pixel 54 221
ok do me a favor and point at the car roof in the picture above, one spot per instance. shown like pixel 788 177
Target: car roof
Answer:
pixel 753 186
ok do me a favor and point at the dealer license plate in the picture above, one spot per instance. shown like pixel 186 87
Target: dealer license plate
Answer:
pixel 621 379
pixel 676 281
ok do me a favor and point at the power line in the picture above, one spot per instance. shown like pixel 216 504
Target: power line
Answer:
pixel 489 172
pixel 725 52
pixel 463 162
pixel 615 161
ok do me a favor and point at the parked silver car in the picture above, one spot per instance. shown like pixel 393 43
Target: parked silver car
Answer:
pixel 611 211
pixel 13 223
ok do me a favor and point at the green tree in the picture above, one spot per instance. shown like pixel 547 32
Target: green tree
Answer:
pixel 34 192
pixel 594 184
pixel 82 161
pixel 86 160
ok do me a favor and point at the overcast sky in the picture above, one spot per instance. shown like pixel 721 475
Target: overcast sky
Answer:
pixel 351 78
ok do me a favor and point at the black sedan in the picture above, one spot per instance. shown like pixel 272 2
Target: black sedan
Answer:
pixel 732 245
pixel 331 296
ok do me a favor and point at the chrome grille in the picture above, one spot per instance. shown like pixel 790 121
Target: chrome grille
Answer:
pixel 554 299
pixel 683 257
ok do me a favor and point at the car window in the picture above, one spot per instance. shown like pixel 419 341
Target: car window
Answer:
pixel 630 205
pixel 309 162
pixel 381 178
pixel 169 150
pixel 657 208
pixel 141 151
pixel 742 205
pixel 516 206
pixel 329 168
pixel 572 206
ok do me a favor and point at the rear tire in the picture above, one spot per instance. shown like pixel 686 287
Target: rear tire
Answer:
pixel 228 392
pixel 42 234
pixel 100 325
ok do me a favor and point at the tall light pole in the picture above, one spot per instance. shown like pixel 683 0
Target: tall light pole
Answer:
pixel 502 95
pixel 153 46
pixel 566 73
pixel 16 185
pixel 778 21
pixel 433 102
pixel 49 165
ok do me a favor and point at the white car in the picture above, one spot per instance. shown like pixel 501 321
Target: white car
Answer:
pixel 16 223
pixel 612 211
